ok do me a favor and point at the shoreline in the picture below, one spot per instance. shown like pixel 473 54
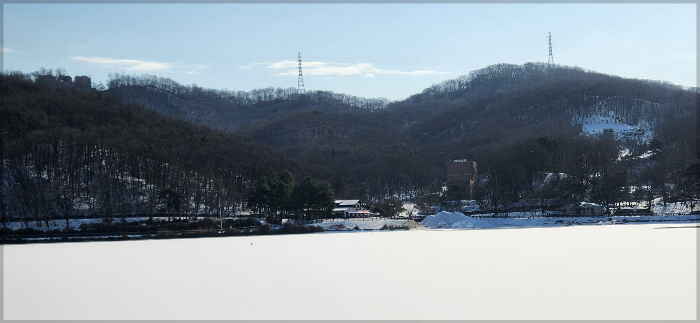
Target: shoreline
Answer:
pixel 348 225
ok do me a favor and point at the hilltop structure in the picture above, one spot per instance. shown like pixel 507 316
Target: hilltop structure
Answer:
pixel 83 82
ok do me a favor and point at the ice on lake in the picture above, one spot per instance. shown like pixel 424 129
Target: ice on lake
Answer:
pixel 631 272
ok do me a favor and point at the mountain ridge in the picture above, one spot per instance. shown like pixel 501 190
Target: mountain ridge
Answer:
pixel 517 122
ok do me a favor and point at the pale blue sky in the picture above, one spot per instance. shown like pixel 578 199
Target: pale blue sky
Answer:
pixel 369 50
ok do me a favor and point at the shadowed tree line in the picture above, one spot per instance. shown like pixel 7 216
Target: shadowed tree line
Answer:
pixel 277 195
pixel 228 110
pixel 496 116
pixel 520 123
pixel 69 153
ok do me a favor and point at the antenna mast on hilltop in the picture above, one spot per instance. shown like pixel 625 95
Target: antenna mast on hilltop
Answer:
pixel 300 83
pixel 550 61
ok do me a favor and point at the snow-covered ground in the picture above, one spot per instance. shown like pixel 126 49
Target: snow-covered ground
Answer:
pixel 597 124
pixel 672 212
pixel 676 208
pixel 61 224
pixel 448 220
pixel 360 223
pixel 409 209
pixel 75 223
pixel 630 272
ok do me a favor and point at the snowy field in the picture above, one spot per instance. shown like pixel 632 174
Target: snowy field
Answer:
pixel 631 272
pixel 597 124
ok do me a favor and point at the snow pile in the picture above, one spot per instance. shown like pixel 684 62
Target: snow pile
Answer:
pixel 452 220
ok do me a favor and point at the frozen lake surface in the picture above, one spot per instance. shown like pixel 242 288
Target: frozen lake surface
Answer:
pixel 631 272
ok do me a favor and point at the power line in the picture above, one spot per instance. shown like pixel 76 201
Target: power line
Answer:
pixel 300 83
pixel 550 61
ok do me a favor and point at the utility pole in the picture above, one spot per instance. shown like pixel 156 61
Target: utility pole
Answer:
pixel 221 214
pixel 300 83
pixel 3 215
pixel 550 61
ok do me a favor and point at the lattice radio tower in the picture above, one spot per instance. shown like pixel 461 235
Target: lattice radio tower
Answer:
pixel 300 83
pixel 550 61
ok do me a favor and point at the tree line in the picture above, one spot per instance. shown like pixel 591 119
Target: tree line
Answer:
pixel 277 195
pixel 401 149
pixel 521 124
pixel 541 172
pixel 225 109
pixel 69 153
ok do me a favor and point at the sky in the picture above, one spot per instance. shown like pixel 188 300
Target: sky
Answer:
pixel 368 50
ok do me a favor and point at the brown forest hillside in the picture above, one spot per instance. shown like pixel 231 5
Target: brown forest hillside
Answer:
pixel 110 152
pixel 70 152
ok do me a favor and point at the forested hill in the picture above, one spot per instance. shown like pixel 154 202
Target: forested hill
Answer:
pixel 229 110
pixel 502 108
pixel 518 122
pixel 514 101
pixel 370 148
pixel 71 151
pixel 540 80
pixel 552 92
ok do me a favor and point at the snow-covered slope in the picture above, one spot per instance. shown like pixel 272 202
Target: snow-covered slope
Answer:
pixel 597 124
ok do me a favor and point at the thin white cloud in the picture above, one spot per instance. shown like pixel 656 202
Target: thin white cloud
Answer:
pixel 290 64
pixel 328 69
pixel 141 66
pixel 7 50
pixel 125 64
pixel 253 65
